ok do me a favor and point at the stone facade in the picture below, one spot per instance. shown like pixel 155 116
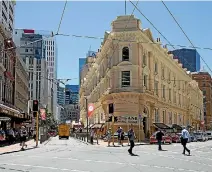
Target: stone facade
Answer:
pixel 205 84
pixel 138 76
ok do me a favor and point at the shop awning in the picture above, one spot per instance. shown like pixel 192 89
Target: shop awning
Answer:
pixel 97 126
pixel 162 126
pixel 178 127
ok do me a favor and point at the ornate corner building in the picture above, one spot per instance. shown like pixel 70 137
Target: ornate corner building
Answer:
pixel 146 86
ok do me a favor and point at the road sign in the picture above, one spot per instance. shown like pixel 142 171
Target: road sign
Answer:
pixel 90 109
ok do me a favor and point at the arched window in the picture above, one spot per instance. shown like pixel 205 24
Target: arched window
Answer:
pixel 125 54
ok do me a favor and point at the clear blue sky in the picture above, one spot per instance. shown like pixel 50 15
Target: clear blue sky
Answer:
pixel 94 18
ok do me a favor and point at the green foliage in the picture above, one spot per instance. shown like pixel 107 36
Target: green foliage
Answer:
pixel 49 122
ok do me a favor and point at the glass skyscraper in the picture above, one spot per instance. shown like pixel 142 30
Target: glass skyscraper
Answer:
pixel 82 62
pixel 72 94
pixel 189 58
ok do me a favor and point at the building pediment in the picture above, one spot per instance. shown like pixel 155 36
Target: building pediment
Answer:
pixel 146 70
pixel 124 63
pixel 148 33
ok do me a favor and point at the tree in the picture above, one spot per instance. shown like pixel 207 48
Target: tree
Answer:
pixel 49 122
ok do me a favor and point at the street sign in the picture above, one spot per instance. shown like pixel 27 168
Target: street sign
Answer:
pixel 90 109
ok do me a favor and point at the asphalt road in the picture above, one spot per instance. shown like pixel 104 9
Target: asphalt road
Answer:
pixel 74 156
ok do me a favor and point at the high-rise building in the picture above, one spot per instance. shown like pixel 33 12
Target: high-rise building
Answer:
pixel 32 51
pixel 60 95
pixel 21 85
pixel 82 62
pixel 50 54
pixel 71 94
pixel 10 115
pixel 190 58
pixel 7 15
pixel 70 113
pixel 51 59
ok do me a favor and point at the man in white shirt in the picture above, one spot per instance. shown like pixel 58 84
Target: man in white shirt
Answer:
pixel 184 140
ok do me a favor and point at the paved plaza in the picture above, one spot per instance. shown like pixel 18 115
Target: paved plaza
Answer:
pixel 75 156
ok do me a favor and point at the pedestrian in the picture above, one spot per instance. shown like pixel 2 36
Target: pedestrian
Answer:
pixel 92 136
pixel 11 135
pixel 159 137
pixel 23 135
pixel 97 136
pixel 184 140
pixel 109 136
pixel 122 138
pixel 131 136
pixel 119 131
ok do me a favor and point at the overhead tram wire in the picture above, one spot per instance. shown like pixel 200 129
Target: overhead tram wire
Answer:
pixel 132 41
pixel 62 15
pixel 158 31
pixel 184 33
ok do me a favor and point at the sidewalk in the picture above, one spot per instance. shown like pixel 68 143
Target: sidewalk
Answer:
pixel 16 147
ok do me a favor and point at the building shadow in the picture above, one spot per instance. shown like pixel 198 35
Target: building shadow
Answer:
pixel 5 153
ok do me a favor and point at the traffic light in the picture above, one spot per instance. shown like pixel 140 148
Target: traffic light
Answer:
pixel 34 114
pixel 35 106
pixel 111 108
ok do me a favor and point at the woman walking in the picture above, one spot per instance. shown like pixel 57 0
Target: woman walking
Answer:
pixel 23 134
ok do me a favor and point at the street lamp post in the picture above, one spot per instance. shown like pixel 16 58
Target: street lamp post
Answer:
pixel 86 104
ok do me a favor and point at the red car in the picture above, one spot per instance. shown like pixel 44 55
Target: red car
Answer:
pixel 52 133
pixel 176 138
pixel 166 139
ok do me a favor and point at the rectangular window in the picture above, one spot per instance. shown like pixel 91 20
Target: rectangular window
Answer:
pixel 164 91
pixel 144 60
pixel 156 68
pixel 174 96
pixel 170 94
pixel 164 117
pixel 163 73
pixel 145 80
pixel 26 50
pixel 170 118
pixel 179 99
pixel 156 88
pixel 125 79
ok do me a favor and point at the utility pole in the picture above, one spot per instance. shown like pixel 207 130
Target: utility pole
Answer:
pixel 125 7
pixel 35 110
pixel 86 104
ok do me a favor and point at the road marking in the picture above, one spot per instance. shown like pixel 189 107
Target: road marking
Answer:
pixel 44 167
pixel 125 163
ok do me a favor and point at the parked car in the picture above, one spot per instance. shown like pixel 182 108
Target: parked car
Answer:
pixel 175 137
pixel 200 136
pixel 206 136
pixel 209 133
pixel 166 139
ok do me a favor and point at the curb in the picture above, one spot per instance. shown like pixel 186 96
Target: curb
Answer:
pixel 47 141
